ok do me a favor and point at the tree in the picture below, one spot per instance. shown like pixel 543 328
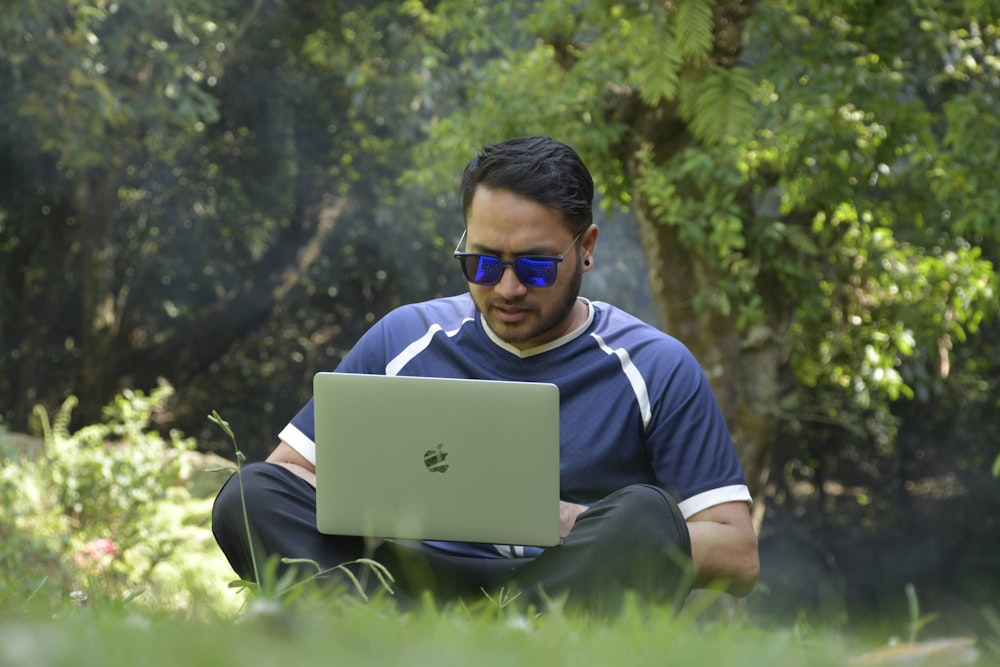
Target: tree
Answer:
pixel 812 203
pixel 201 167
pixel 97 100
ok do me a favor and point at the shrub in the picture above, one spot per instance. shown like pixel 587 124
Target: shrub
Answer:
pixel 97 510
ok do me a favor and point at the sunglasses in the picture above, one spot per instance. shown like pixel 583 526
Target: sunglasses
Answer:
pixel 531 270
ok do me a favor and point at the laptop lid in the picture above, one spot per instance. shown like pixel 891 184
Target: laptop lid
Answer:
pixel 437 459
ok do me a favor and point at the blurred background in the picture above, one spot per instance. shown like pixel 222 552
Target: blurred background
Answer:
pixel 219 197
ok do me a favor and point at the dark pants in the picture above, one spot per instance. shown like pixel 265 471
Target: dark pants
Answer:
pixel 633 540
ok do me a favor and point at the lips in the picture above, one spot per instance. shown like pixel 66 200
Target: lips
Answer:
pixel 510 314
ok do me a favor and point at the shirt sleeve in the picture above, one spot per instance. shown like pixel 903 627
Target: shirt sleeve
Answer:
pixel 367 356
pixel 689 443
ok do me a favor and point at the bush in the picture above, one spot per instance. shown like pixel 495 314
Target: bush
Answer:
pixel 97 511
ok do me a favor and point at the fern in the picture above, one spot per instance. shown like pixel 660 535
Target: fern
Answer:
pixel 666 47
pixel 694 29
pixel 717 106
pixel 658 75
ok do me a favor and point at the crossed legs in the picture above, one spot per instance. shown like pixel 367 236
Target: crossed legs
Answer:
pixel 635 540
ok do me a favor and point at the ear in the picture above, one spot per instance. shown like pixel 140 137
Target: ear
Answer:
pixel 588 243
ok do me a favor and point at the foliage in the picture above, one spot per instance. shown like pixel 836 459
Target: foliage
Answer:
pixel 827 176
pixel 850 155
pixel 214 209
pixel 104 512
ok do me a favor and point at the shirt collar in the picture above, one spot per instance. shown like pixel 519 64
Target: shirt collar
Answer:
pixel 544 347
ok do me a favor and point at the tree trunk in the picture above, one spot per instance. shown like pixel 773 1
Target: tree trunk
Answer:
pixel 743 368
pixel 96 203
pixel 199 342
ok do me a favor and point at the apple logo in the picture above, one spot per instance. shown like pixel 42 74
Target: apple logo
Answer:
pixel 434 459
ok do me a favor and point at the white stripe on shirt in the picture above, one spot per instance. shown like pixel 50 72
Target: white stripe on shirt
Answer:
pixel 634 378
pixel 397 363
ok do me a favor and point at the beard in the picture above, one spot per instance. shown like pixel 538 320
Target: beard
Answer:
pixel 543 322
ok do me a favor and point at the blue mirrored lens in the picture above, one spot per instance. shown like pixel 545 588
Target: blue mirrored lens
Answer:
pixel 535 272
pixel 488 270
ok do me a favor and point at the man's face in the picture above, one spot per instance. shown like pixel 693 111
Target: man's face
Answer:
pixel 509 226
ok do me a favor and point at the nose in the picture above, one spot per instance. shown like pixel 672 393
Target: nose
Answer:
pixel 509 286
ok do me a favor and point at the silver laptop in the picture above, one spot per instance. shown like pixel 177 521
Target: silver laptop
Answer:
pixel 437 459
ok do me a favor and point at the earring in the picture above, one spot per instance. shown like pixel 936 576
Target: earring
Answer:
pixel 586 262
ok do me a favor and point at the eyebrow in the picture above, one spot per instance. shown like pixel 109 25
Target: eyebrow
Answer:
pixel 531 252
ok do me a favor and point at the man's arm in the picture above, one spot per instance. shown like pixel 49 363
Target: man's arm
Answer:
pixel 724 548
pixel 284 455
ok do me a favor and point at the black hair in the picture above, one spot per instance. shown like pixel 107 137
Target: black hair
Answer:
pixel 540 168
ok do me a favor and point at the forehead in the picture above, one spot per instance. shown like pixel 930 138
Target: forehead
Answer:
pixel 500 220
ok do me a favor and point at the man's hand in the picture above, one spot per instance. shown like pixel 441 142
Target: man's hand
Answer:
pixel 567 516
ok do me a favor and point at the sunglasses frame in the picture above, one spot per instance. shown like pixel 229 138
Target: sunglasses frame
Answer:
pixel 513 263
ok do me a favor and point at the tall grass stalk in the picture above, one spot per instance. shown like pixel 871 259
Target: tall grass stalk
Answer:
pixel 240 458
pixel 266 581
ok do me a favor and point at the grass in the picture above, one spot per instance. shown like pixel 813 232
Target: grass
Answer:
pixel 351 632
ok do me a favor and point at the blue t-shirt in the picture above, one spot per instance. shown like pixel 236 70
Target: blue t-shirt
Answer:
pixel 635 406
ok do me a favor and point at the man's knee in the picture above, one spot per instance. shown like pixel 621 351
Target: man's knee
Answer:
pixel 644 498
pixel 645 514
pixel 244 494
pixel 634 539
pixel 257 503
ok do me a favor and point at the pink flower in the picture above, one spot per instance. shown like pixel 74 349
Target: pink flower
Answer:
pixel 103 545
pixel 96 554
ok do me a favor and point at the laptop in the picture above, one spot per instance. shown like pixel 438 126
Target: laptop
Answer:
pixel 437 459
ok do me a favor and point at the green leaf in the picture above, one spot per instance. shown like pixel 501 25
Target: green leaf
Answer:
pixel 659 73
pixel 718 106
pixel 694 29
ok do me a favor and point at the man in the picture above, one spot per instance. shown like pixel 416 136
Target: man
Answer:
pixel 653 500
